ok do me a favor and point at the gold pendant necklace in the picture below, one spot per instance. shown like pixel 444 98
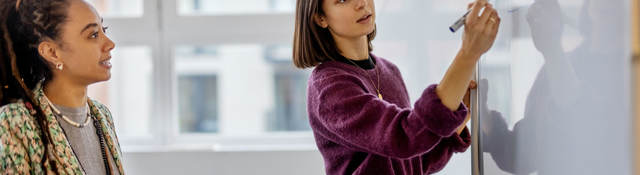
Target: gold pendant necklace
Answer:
pixel 369 77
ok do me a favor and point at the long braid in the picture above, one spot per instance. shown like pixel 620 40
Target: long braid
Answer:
pixel 39 115
pixel 15 71
pixel 28 23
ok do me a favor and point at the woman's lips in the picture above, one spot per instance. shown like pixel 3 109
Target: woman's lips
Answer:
pixel 106 63
pixel 365 19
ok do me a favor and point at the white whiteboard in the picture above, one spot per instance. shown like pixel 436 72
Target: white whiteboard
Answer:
pixel 554 94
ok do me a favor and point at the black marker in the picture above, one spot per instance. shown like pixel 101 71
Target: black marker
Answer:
pixel 459 23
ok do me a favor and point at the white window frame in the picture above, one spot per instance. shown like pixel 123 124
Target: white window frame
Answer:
pixel 162 29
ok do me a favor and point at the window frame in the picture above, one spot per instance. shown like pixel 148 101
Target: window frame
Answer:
pixel 162 29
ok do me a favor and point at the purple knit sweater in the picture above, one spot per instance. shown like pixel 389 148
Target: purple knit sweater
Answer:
pixel 357 133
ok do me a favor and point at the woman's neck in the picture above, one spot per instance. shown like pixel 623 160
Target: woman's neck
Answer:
pixel 353 48
pixel 66 93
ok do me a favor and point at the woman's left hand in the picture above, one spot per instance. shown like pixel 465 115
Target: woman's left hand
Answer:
pixel 467 103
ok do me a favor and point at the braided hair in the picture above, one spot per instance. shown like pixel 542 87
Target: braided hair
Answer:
pixel 24 24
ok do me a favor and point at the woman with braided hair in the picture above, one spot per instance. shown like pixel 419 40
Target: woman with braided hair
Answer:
pixel 50 52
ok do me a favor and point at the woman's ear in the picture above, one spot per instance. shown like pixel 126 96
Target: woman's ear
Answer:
pixel 49 51
pixel 320 21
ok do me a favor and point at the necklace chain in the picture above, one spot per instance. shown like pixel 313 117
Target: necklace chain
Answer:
pixel 377 87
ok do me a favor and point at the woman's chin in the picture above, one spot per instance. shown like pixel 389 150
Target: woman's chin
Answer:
pixel 102 78
pixel 370 30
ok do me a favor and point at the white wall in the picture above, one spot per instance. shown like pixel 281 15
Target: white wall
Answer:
pixel 224 163
pixel 250 163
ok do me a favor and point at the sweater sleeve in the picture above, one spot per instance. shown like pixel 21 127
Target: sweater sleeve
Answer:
pixel 341 110
pixel 437 158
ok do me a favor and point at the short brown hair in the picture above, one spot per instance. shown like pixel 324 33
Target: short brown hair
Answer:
pixel 313 44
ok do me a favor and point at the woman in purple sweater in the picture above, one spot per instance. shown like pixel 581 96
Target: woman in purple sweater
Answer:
pixel 358 104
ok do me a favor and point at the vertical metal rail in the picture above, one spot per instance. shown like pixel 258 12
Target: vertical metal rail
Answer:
pixel 635 33
pixel 476 154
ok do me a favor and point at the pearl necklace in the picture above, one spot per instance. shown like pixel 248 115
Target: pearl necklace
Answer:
pixel 67 119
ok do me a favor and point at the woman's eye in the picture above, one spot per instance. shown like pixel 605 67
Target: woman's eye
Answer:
pixel 94 35
pixel 342 1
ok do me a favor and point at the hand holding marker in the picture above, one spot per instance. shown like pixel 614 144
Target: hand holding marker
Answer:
pixel 460 22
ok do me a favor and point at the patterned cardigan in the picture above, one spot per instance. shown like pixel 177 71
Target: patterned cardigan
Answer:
pixel 21 149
